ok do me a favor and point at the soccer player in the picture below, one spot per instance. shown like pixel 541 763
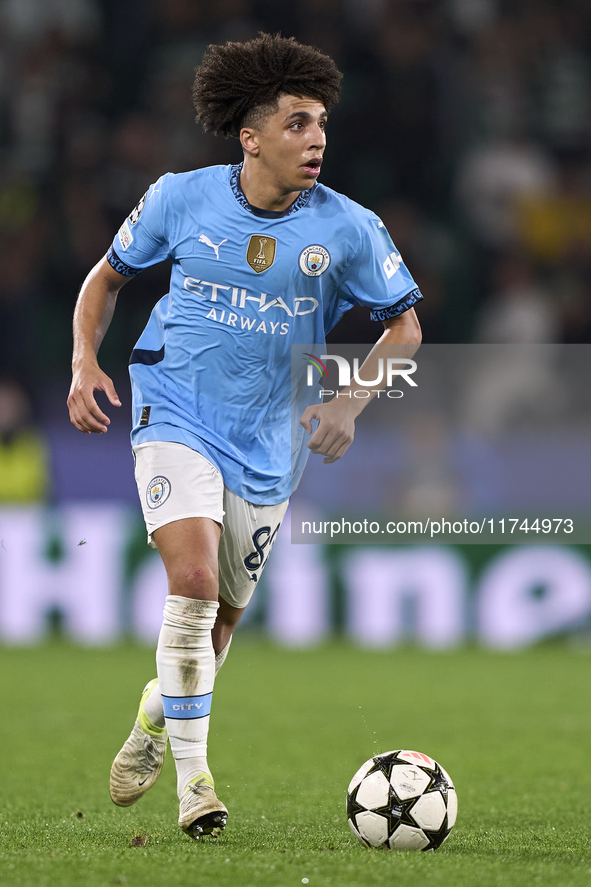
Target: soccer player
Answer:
pixel 262 257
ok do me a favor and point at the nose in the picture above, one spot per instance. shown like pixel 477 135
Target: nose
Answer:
pixel 318 137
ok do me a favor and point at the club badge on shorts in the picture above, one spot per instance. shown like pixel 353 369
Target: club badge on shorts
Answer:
pixel 314 260
pixel 158 492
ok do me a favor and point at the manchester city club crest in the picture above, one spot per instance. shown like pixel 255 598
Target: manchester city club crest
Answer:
pixel 158 492
pixel 314 260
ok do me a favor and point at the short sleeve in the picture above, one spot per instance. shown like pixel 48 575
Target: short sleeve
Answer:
pixel 142 239
pixel 377 276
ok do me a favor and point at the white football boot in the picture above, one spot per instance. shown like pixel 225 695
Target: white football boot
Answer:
pixel 201 812
pixel 137 766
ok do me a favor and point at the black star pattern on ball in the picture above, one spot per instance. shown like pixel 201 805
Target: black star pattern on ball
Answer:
pixel 436 838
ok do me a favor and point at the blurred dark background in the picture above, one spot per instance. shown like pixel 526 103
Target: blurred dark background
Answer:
pixel 465 124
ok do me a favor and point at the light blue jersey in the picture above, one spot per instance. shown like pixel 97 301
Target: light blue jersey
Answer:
pixel 212 368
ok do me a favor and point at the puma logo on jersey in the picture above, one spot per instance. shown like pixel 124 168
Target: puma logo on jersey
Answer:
pixel 203 238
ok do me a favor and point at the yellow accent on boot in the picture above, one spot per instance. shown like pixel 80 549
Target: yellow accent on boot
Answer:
pixel 145 723
pixel 206 778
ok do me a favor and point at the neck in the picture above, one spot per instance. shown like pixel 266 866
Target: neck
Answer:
pixel 261 190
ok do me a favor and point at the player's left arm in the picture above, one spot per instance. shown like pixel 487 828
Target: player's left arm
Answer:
pixel 336 418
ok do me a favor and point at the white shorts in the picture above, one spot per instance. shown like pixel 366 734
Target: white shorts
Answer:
pixel 175 482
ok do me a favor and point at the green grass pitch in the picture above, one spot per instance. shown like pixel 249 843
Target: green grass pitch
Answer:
pixel 288 731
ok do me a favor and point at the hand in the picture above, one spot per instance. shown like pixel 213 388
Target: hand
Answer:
pixel 335 431
pixel 85 413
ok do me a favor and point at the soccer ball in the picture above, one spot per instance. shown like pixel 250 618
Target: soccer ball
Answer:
pixel 402 800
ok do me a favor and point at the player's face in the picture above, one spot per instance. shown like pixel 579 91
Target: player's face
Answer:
pixel 291 143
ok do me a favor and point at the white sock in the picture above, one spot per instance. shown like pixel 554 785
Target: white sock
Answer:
pixel 220 657
pixel 153 704
pixel 186 673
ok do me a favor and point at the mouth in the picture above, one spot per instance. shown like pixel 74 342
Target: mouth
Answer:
pixel 312 167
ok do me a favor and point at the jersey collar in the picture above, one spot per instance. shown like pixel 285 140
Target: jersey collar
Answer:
pixel 298 203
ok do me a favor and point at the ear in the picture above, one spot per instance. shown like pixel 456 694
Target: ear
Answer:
pixel 249 139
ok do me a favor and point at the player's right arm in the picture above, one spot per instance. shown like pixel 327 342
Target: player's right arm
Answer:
pixel 92 316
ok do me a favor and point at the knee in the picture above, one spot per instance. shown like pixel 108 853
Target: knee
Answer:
pixel 195 581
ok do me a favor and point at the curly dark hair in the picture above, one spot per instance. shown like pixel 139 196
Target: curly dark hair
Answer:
pixel 240 83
